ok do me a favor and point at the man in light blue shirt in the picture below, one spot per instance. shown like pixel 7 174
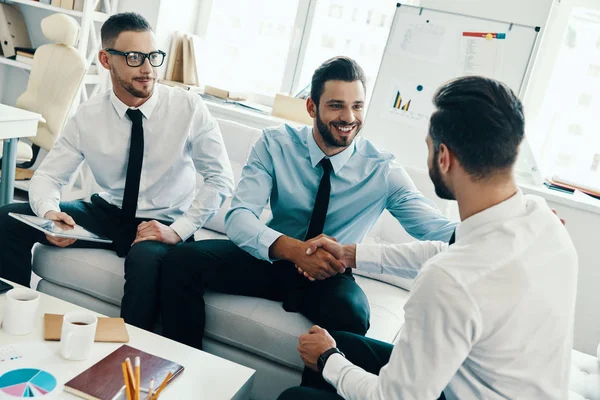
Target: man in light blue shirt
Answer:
pixel 318 180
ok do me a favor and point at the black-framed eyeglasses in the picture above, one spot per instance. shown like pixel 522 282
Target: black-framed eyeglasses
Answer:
pixel 136 58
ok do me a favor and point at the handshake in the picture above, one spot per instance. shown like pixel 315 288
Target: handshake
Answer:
pixel 323 257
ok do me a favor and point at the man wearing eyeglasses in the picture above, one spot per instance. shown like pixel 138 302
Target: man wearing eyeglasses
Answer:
pixel 144 144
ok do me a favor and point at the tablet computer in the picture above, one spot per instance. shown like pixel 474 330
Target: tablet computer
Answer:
pixel 60 230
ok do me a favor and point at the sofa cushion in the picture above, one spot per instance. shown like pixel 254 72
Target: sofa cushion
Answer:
pixel 96 272
pixel 238 140
pixel 584 379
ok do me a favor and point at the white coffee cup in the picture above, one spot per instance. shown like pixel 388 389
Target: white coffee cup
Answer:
pixel 77 336
pixel 20 311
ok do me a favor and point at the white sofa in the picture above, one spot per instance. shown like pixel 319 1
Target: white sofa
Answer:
pixel 254 332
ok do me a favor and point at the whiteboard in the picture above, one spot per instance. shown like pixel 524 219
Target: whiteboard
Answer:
pixel 425 49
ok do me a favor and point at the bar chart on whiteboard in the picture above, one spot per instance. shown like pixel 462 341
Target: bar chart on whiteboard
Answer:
pixel 410 102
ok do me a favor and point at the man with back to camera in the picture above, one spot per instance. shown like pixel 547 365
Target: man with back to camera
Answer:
pixel 319 180
pixel 144 145
pixel 490 316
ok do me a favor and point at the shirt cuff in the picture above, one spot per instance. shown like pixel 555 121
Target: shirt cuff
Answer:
pixel 267 238
pixel 44 207
pixel 369 258
pixel 184 228
pixel 333 368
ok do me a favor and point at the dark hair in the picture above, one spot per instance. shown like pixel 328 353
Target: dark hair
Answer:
pixel 335 69
pixel 123 22
pixel 481 121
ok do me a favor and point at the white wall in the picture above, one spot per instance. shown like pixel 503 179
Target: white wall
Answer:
pixel 147 8
pixel 583 227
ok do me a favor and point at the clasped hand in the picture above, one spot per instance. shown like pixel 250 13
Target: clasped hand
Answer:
pixel 154 230
pixel 322 258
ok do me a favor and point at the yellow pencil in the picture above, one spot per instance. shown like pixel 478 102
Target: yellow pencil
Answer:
pixel 126 379
pixel 131 376
pixel 150 389
pixel 137 378
pixel 162 386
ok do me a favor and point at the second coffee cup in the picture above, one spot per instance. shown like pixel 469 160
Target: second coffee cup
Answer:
pixel 77 335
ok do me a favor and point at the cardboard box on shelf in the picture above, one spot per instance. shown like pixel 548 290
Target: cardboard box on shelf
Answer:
pixel 291 108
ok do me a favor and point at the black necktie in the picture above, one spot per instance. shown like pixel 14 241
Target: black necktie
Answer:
pixel 452 238
pixel 317 220
pixel 134 166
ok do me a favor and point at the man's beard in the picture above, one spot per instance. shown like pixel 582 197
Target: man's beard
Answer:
pixel 441 189
pixel 131 89
pixel 330 138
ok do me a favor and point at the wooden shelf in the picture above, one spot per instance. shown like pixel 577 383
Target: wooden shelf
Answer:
pixel 89 78
pixel 48 7
pixel 96 15
pixel 14 63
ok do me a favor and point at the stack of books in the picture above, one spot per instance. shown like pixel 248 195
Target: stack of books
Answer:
pixel 181 65
pixel 24 54
pixel 581 182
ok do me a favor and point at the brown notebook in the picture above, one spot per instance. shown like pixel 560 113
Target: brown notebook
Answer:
pixel 108 329
pixel 104 379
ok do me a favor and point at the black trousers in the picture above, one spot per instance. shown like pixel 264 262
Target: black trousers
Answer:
pixel 369 354
pixel 142 264
pixel 337 303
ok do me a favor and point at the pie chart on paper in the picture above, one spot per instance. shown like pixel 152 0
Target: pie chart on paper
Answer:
pixel 27 383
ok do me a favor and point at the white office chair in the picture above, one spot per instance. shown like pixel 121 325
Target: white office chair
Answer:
pixel 56 75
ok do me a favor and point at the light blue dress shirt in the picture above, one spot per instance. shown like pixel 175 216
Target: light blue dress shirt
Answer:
pixel 283 167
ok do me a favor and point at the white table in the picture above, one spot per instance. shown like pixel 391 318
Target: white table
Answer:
pixel 14 124
pixel 205 376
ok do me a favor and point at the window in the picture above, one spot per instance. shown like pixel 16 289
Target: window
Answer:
pixel 354 28
pixel 566 130
pixel 271 46
pixel 246 43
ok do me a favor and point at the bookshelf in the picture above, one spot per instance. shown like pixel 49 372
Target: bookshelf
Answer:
pixel 89 40
pixel 96 15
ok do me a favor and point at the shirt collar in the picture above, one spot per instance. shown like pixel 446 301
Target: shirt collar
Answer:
pixel 147 108
pixel 508 209
pixel 338 161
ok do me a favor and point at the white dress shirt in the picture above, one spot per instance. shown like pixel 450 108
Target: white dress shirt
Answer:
pixel 490 317
pixel 180 139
